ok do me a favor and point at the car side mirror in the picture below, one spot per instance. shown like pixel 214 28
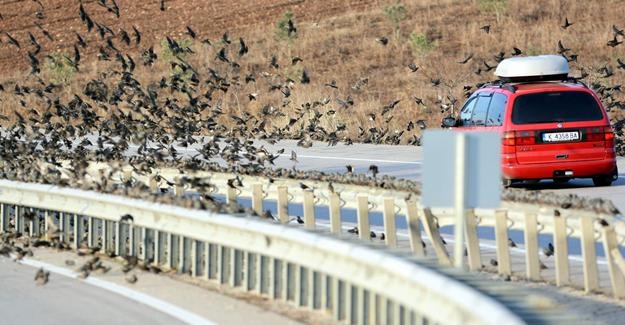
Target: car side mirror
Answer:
pixel 449 122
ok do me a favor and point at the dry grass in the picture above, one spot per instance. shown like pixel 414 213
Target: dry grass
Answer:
pixel 342 46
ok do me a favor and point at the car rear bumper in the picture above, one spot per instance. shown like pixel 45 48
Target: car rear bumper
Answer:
pixel 580 169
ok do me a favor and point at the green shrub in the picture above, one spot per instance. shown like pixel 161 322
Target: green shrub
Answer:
pixel 420 44
pixel 168 54
pixel 534 50
pixel 396 13
pixel 60 68
pixel 282 27
pixel 492 5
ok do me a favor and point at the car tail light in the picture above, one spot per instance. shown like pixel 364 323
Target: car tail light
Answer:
pixel 511 139
pixel 508 138
pixel 601 134
pixel 508 142
pixel 608 135
pixel 524 138
pixel 595 134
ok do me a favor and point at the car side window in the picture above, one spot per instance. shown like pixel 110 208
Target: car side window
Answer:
pixel 466 112
pixel 496 110
pixel 481 108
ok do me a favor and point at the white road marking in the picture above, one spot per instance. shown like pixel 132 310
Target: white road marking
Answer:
pixel 356 159
pixel 160 305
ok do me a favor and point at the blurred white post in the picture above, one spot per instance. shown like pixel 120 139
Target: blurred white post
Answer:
pixel 460 202
pixel 470 163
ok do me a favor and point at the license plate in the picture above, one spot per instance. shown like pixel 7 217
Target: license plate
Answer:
pixel 560 136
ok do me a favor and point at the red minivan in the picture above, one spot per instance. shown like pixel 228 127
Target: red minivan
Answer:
pixel 550 130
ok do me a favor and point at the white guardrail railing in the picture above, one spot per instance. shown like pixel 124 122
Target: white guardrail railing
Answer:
pixel 592 229
pixel 352 280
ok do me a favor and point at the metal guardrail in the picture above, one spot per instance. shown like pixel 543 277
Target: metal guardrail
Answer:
pixel 352 280
pixel 589 227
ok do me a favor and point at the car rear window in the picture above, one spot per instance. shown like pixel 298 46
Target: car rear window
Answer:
pixel 563 106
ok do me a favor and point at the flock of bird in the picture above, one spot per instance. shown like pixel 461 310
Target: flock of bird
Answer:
pixel 119 120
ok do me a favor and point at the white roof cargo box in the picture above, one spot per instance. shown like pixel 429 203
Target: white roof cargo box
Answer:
pixel 533 68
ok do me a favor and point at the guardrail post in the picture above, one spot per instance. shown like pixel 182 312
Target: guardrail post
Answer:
pixel 194 258
pixel 236 267
pixel 127 174
pixel 473 242
pixel 132 239
pixel 390 230
pixel 309 210
pixel 290 282
pixel 364 231
pixel 224 264
pixel 383 313
pixel 397 312
pixel 231 196
pixel 435 236
pixel 105 234
pixel 149 245
pixel 283 204
pixel 19 219
pixel 501 238
pixel 532 261
pixel 119 238
pixel 414 230
pixel 561 251
pixel 171 254
pixel 591 281
pixel 323 294
pixel 299 286
pixel 46 224
pixel 257 198
pixel 33 227
pixel 249 274
pixel 4 220
pixel 361 306
pixel 158 247
pixel 350 300
pixel 63 225
pixel 610 246
pixel 178 186
pixel 335 213
pixel 210 257
pixel 338 299
pixel 144 244
pixel 313 289
pixel 153 183
pixel 274 280
pixel 91 229
pixel 184 254
pixel 264 276
pixel 78 230
pixel 618 260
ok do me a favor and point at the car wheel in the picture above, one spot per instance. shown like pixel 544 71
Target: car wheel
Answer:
pixel 506 182
pixel 604 180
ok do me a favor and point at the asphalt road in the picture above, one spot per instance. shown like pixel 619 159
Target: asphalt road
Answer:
pixel 65 301
pixel 106 298
pixel 406 162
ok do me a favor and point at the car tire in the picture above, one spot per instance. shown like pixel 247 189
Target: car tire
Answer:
pixel 506 182
pixel 603 180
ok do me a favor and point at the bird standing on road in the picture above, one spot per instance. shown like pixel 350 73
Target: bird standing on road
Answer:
pixel 374 170
pixel 41 277
pixel 293 156
pixel 132 279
